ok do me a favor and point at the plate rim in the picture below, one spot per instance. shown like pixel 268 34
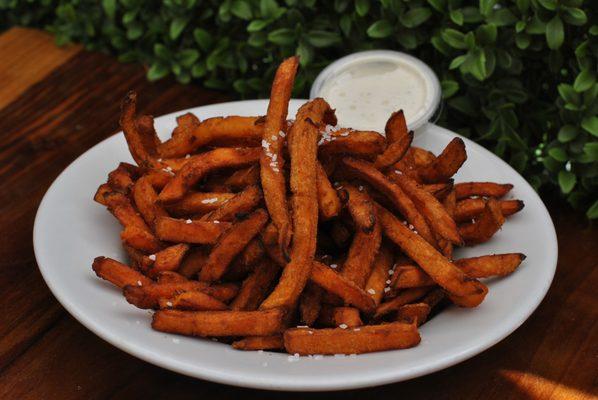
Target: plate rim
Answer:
pixel 203 372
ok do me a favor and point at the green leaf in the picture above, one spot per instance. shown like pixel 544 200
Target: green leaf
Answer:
pixel 567 133
pixel 416 16
pixel 241 9
pixel 157 71
pixel 449 88
pixel 269 8
pixel 134 31
pixel 454 38
pixel 575 16
pixel 187 57
pixel 502 17
pixel 548 4
pixel 282 36
pixel 305 53
pixel 380 29
pixel 162 52
pixel 176 27
pixel 345 25
pixel 590 124
pixel 522 41
pixel 584 81
pixel 438 5
pixel 592 212
pixel 486 7
pixel 321 39
pixel 568 93
pixel 555 33
pixel 591 149
pixel 457 62
pixel 257 25
pixel 203 38
pixel 199 70
pixel 109 7
pixel 558 154
pixel 456 17
pixel 478 66
pixel 520 26
pixel 567 181
pixel 486 34
pixel 362 7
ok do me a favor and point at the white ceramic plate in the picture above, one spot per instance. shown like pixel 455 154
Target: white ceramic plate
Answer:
pixel 70 230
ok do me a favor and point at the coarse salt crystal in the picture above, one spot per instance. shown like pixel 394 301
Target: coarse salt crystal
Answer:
pixel 159 160
pixel 139 283
pixel 169 304
pixel 356 329
pixel 260 351
pixel 371 291
pixel 411 226
pixel 391 271
pixel 388 281
pixel 343 326
pixel 274 137
pixel 188 156
pixel 152 257
pixel 360 188
pixel 318 356
pixel 188 221
pixel 333 266
pixel 310 332
pixel 176 340
pixel 282 134
pixel 216 221
pixel 302 326
pixel 208 201
pixel 386 289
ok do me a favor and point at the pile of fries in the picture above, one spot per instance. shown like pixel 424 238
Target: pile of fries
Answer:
pixel 296 235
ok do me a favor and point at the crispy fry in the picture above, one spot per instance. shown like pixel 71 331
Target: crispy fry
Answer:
pixel 170 277
pixel 244 177
pixel 417 312
pixel 450 204
pixel 427 257
pixel 121 179
pixel 137 257
pixel 439 190
pixel 366 339
pixel 421 157
pixel 432 210
pixel 379 275
pixel 399 139
pixel 486 189
pixel 147 134
pixel 220 323
pixel 446 164
pixel 146 200
pixel 103 189
pixel 410 276
pixel 192 301
pixel 273 342
pixel 255 287
pixel 364 144
pixel 405 297
pixel 246 261
pixel 118 273
pixel 207 162
pixel 168 259
pixel 328 202
pixel 148 296
pixel 120 206
pixel 136 144
pixel 218 131
pixel 193 261
pixel 491 265
pixel 158 178
pixel 360 207
pixel 349 292
pixel 467 209
pixel 242 204
pixel 232 243
pixel 180 230
pixel 140 239
pixel 344 317
pixel 368 173
pixel 271 158
pixel 303 154
pixel 487 224
pixel 358 265
pixel 224 292
pixel 310 304
pixel 199 203
pixel 269 238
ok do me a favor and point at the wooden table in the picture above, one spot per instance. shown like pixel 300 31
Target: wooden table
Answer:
pixel 57 103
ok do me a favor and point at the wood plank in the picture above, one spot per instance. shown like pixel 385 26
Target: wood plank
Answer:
pixel 29 56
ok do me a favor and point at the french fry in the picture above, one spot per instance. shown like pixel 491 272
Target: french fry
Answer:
pixel 199 203
pixel 120 206
pixel 121 179
pixel 485 189
pixel 218 131
pixel 168 259
pixel 365 171
pixel 446 164
pixel 376 282
pixel 271 157
pixel 344 317
pixel 192 301
pixel 310 304
pixel 444 273
pixel 399 139
pixel 487 224
pixel 432 210
pixel 118 273
pixel 365 339
pixel 269 238
pixel 450 204
pixel 405 297
pixel 349 292
pixel 189 231
pixel 407 165
pixel 329 204
pixel 416 312
pixel 148 296
pixel 439 190
pixel 158 178
pixel 273 342
pixel 255 286
pixel 241 204
pixel 220 323
pixel 224 292
pixel 137 257
pixel 366 144
pixel 231 243
pixel 410 276
pixel 170 277
pixel 140 239
pixel 420 157
pixel 360 207
pixel 193 171
pixel 103 189
pixel 358 265
pixel 193 261
pixel 246 261
pixel 146 201
pixel 136 144
pixel 185 124
pixel 147 134
pixel 303 154
pixel 243 178
pixel 468 209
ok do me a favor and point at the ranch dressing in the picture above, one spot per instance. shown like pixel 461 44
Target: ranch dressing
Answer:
pixel 366 88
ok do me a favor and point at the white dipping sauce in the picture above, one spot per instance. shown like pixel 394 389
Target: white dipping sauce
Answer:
pixel 366 90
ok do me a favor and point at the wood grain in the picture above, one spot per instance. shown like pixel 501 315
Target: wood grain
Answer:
pixel 45 353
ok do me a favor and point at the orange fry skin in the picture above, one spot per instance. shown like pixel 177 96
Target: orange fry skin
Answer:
pixel 485 189
pixel 376 282
pixel 405 297
pixel 273 342
pixel 197 232
pixel 360 144
pixel 328 202
pixel 242 203
pixel 446 164
pixel 360 207
pixel 467 209
pixel 118 273
pixel 148 296
pixel 271 157
pixel 192 301
pixel 199 203
pixel 255 286
pixel 128 124
pixel 365 339
pixel 336 316
pixel 399 139
pixel 487 224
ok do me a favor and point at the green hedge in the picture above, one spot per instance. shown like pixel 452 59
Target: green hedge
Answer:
pixel 518 76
